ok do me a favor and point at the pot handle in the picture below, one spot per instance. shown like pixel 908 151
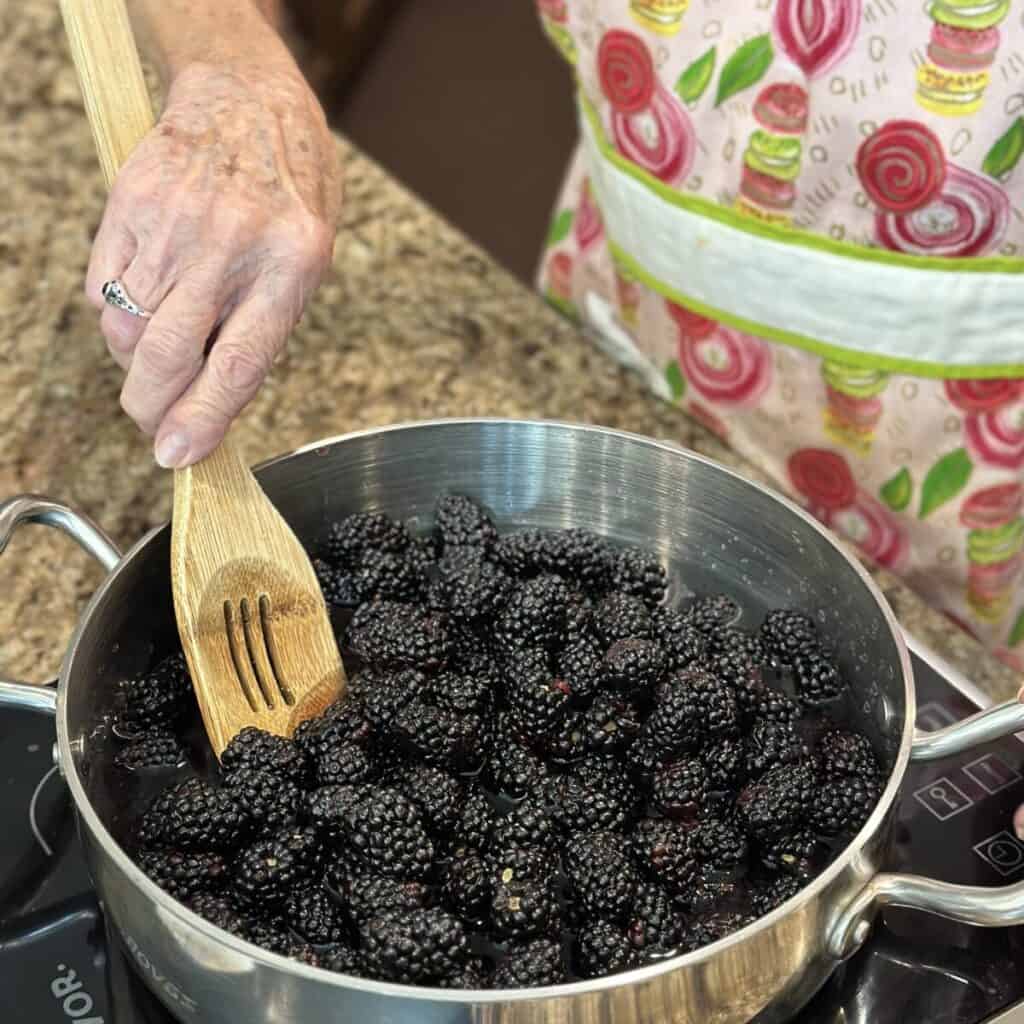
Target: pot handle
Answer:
pixel 34 508
pixel 985 906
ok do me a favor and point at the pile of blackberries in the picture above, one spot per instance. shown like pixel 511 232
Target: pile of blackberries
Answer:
pixel 541 770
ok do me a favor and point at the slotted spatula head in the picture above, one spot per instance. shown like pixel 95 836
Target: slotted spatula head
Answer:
pixel 252 619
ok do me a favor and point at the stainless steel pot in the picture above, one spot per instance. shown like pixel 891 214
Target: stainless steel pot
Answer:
pixel 715 530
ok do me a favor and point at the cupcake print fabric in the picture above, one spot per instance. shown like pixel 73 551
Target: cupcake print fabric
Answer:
pixel 888 129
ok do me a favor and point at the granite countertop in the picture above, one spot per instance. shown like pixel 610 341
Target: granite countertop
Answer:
pixel 414 322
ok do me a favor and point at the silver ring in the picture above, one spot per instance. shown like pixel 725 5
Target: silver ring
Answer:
pixel 115 293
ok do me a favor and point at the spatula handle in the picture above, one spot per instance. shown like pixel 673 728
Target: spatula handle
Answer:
pixel 110 73
pixel 120 113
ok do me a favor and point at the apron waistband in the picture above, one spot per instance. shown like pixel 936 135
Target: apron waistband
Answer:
pixel 863 307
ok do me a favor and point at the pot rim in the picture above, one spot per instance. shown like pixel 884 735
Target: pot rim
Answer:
pixel 169 906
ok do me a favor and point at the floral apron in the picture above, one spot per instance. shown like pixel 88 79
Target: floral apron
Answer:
pixel 801 221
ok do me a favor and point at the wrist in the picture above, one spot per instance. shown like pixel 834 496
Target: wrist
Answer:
pixel 180 33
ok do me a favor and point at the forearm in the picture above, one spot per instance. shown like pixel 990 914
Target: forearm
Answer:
pixel 176 33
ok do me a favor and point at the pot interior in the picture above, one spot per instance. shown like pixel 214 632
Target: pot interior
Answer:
pixel 715 532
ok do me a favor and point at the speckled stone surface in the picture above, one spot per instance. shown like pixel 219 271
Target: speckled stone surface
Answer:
pixel 414 322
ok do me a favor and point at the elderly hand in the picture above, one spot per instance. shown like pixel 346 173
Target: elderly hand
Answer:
pixel 221 224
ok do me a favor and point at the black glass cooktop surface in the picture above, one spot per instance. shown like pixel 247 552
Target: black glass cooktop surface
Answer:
pixel 59 962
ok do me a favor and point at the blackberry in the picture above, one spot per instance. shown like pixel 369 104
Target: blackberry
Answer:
pixel 602 878
pixel 602 948
pixel 270 801
pixel 366 896
pixel 725 763
pixel 525 825
pixel 610 723
pixel 442 738
pixel 346 764
pixel 395 635
pixel 754 697
pixel 463 694
pixel 784 631
pixel 360 532
pixel 273 935
pixel 467 886
pixel 314 914
pixel 734 668
pixel 843 805
pixel 567 742
pixel 655 927
pixel 265 872
pixel 720 845
pixel 342 959
pixel 601 772
pixel 644 758
pixel 664 851
pixel 438 795
pixel 681 641
pixel 800 854
pixel 181 873
pixel 847 753
pixel 326 808
pixel 535 613
pixel 258 750
pixel 471 661
pixel 473 590
pixel 473 974
pixel 579 620
pixel 536 702
pixel 521 864
pixel 344 721
pixel 691 707
pixel 817 677
pixel 620 616
pixel 738 645
pixel 634 664
pixel 680 790
pixel 766 897
pixel 530 965
pixel 382 693
pixel 461 522
pixel 155 700
pixel 580 556
pixel 476 822
pixel 152 750
pixel 638 573
pixel 712 927
pixel 708 891
pixel 777 803
pixel 193 815
pixel 525 553
pixel 577 808
pixel 336 584
pixel 513 770
pixel 385 830
pixel 415 946
pixel 581 667
pixel 220 911
pixel 525 910
pixel 384 576
pixel 773 743
pixel 710 614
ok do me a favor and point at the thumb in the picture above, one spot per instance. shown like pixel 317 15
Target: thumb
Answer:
pixel 1018 823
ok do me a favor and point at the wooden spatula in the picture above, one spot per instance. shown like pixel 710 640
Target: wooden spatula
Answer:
pixel 252 619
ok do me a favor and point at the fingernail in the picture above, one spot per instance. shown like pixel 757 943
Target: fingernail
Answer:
pixel 172 449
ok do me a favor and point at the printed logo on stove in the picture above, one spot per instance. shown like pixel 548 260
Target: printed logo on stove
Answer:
pixel 169 989
pixel 70 993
